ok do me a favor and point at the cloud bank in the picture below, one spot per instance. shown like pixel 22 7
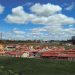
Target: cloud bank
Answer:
pixel 48 15
pixel 1 9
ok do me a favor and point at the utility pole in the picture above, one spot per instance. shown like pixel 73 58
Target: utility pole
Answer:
pixel 1 36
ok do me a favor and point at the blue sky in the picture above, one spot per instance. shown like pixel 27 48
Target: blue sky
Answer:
pixel 37 19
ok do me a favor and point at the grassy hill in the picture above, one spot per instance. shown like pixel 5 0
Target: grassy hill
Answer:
pixel 23 66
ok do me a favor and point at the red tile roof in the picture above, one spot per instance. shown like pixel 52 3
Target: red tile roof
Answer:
pixel 58 53
pixel 15 53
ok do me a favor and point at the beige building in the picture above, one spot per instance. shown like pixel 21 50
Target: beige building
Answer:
pixel 25 55
pixel 1 47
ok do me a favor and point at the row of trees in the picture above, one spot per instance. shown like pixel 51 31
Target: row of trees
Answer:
pixel 39 41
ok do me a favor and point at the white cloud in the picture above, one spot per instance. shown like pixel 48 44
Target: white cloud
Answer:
pixel 1 9
pixel 18 32
pixel 19 16
pixel 70 7
pixel 39 34
pixel 56 19
pixel 45 9
pixel 28 4
pixel 14 34
pixel 56 33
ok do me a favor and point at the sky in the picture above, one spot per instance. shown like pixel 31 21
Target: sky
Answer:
pixel 37 19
